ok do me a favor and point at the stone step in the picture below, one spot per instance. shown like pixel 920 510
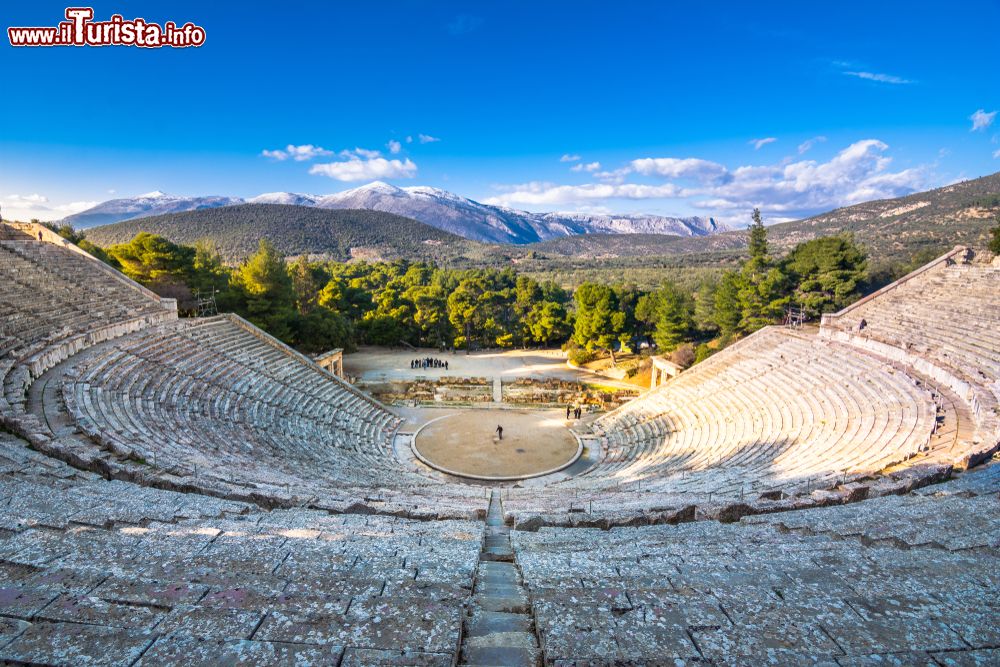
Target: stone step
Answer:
pixel 497 555
pixel 499 577
pixel 507 605
pixel 504 590
pixel 484 623
pixel 506 656
pixel 497 567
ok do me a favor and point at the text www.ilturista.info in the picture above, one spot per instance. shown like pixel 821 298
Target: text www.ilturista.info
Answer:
pixel 79 29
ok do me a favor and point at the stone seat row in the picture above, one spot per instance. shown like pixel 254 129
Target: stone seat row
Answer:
pixel 107 571
pixel 210 400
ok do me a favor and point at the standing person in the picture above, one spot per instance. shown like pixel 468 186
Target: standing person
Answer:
pixel 499 432
pixel 567 411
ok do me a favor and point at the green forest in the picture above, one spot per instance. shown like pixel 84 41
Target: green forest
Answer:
pixel 318 305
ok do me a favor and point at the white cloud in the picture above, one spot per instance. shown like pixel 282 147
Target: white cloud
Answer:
pixel 588 167
pixel 996 154
pixel 27 207
pixel 982 120
pixel 360 152
pixel 760 143
pixel 364 167
pixel 671 167
pixel 26 200
pixel 546 194
pixel 807 145
pixel 786 190
pixel 569 158
pixel 427 139
pixel 880 78
pixel 297 153
pixel 394 146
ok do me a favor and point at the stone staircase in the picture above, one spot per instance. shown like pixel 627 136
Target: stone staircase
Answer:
pixel 499 626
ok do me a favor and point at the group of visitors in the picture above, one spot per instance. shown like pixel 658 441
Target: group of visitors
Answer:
pixel 428 362
pixel 575 410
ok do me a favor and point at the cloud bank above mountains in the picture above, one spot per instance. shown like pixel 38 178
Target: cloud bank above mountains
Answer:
pixel 790 188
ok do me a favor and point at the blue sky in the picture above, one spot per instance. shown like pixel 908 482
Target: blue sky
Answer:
pixel 624 106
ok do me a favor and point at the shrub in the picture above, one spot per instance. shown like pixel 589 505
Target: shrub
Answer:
pixel 580 356
pixel 702 353
pixel 684 355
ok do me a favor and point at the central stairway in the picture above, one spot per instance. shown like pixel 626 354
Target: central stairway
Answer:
pixel 499 627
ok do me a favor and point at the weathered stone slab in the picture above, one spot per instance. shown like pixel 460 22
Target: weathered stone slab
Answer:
pixel 165 594
pixel 762 637
pixel 366 657
pixel 887 634
pixel 580 636
pixel 180 651
pixel 72 643
pixel 24 602
pixel 212 621
pixel 94 611
pixel 684 608
pixel 903 659
pixel 650 636
pixel 11 628
pixel 67 580
pixel 988 657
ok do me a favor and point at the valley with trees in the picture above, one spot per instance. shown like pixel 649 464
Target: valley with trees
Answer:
pixel 316 304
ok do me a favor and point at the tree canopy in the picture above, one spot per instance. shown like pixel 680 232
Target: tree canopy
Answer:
pixel 317 305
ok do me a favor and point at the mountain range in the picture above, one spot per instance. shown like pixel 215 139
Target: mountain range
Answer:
pixel 437 208
pixel 891 230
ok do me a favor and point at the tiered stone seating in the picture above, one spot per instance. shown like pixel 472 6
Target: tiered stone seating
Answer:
pixel 216 407
pixel 101 572
pixel 210 403
pixel 196 493
pixel 778 412
pixel 906 580
pixel 785 414
pixel 56 302
pixel 944 321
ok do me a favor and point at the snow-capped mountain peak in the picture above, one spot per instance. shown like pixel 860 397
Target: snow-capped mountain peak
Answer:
pixel 433 206
pixel 287 198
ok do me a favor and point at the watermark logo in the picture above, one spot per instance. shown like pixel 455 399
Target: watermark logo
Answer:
pixel 80 29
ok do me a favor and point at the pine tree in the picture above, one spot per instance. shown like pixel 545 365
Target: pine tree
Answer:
pixel 674 318
pixel 758 236
pixel 727 311
pixel 826 272
pixel 762 285
pixel 267 289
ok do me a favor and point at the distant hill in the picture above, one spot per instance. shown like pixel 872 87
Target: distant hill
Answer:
pixel 437 208
pixel 295 230
pixel 961 213
pixel 151 203
pixel 892 229
pixel 498 224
